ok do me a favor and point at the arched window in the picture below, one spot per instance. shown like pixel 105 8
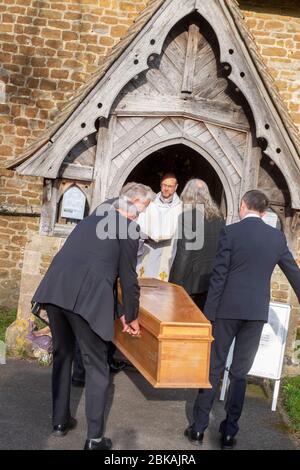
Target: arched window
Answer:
pixel 73 206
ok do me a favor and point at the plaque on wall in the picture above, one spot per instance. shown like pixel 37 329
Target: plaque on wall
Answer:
pixel 73 204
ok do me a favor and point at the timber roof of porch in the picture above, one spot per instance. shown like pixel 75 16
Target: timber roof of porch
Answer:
pixel 135 28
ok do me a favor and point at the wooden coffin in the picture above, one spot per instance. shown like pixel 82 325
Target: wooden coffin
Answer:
pixel 174 347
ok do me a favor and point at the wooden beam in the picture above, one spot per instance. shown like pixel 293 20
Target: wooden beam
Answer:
pixel 49 208
pixel 76 172
pixel 33 164
pixel 217 112
pixel 103 160
pixel 190 59
pixel 227 147
pixel 251 167
pixel 133 135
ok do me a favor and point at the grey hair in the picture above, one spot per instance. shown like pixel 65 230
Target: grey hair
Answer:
pixel 195 193
pixel 123 204
pixel 137 191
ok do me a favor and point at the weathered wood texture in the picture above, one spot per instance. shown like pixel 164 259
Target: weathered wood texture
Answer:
pixel 180 97
pixel 190 59
pixel 76 172
pixel 103 159
pixel 168 58
pixel 174 347
pixel 225 154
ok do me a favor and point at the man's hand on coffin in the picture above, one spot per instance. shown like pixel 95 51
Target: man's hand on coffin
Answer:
pixel 132 328
pixel 135 329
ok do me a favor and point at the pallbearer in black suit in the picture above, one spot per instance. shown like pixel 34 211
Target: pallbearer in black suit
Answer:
pixel 77 293
pixel 238 305
pixel 78 376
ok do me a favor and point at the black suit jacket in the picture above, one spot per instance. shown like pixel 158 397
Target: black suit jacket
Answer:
pixel 192 269
pixel 105 204
pixel 247 255
pixel 82 275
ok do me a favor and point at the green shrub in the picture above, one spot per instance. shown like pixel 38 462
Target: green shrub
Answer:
pixel 7 316
pixel 291 400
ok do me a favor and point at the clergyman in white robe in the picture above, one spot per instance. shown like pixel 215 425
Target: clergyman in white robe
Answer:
pixel 159 223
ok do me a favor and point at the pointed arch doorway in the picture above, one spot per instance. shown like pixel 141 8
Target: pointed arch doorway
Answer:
pixel 180 159
pixel 186 163
pixel 187 160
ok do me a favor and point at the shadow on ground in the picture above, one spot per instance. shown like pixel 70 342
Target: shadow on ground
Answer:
pixel 139 416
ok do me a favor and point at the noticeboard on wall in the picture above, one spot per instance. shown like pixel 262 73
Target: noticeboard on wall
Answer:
pixel 73 204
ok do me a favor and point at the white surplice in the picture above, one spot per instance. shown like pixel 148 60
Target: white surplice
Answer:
pixel 159 222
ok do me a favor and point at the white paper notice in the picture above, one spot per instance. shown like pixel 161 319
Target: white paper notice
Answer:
pixel 269 357
pixel 272 219
pixel 73 204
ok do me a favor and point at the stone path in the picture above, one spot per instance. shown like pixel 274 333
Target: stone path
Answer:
pixel 140 417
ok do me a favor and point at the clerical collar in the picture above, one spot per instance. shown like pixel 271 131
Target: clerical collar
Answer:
pixel 166 200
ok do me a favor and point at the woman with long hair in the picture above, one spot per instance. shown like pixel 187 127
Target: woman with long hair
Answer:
pixel 198 233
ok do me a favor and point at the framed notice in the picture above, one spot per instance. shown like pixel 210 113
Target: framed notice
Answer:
pixel 73 204
pixel 269 357
pixel 270 354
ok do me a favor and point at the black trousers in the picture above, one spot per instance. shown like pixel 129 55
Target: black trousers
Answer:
pixel 247 336
pixel 78 367
pixel 67 328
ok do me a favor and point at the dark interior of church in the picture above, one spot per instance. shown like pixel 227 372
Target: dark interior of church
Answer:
pixel 184 162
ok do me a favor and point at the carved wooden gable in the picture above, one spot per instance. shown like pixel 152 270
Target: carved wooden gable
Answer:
pixel 180 98
pixel 187 77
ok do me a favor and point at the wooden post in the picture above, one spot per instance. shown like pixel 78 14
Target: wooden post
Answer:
pixel 103 160
pixel 49 208
pixel 251 167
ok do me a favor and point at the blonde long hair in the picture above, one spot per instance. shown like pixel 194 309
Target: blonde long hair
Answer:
pixel 196 192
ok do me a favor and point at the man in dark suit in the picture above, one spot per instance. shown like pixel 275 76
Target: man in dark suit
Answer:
pixel 78 375
pixel 237 305
pixel 77 293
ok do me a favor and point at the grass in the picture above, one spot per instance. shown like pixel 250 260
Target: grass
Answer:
pixel 7 316
pixel 39 323
pixel 291 401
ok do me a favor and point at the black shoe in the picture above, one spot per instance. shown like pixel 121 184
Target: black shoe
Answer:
pixel 227 442
pixel 78 383
pixel 60 430
pixel 116 366
pixel 104 444
pixel 196 438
